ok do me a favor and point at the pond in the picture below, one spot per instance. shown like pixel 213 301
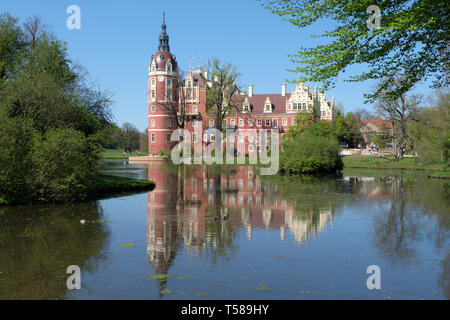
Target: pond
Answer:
pixel 228 233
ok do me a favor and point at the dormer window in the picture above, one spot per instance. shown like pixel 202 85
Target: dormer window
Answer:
pixel 267 105
pixel 245 108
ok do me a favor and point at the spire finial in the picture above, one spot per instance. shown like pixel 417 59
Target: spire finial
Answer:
pixel 164 18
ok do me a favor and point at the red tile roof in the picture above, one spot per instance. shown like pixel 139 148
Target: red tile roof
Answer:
pixel 277 100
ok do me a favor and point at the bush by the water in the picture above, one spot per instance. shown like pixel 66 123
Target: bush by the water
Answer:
pixel 313 149
pixel 50 118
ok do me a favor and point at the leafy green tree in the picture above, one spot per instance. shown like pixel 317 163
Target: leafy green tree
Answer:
pixel 429 136
pixel 50 118
pixel 412 39
pixel 347 129
pixel 143 141
pixel 12 47
pixel 129 139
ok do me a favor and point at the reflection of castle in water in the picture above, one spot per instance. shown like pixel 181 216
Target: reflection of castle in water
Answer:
pixel 205 210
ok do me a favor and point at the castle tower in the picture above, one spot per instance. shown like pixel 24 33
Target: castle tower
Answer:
pixel 163 97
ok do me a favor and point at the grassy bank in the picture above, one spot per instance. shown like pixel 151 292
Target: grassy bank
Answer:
pixel 382 163
pixel 440 175
pixel 106 185
pixel 109 186
pixel 118 154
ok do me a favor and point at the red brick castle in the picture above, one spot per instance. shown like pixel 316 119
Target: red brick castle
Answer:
pixel 257 111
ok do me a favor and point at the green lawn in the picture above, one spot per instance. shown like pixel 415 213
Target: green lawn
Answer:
pixel 118 154
pixel 381 163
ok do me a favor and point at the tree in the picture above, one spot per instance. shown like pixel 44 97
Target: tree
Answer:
pixel 364 114
pixel 12 47
pixel 51 119
pixel 429 136
pixel 143 141
pixel 399 110
pixel 348 129
pixel 179 101
pixel 412 38
pixel 130 136
pixel 221 90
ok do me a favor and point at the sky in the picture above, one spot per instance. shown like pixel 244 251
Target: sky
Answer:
pixel 118 38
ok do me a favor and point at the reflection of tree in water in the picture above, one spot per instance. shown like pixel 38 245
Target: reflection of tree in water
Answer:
pixel 396 230
pixel 38 243
pixel 444 277
pixel 415 207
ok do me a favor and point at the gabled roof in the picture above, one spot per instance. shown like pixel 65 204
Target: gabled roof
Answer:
pixel 278 101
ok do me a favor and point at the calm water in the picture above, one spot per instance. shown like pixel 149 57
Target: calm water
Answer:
pixel 210 233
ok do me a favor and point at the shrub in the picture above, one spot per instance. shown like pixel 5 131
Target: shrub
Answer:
pixel 310 152
pixel 64 165
pixel 15 161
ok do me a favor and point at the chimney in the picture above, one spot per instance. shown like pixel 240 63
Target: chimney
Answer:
pixel 283 89
pixel 250 90
pixel 332 100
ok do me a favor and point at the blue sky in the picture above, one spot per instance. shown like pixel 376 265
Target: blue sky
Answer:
pixel 117 39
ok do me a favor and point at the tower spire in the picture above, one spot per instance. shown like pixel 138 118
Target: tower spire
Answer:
pixel 163 36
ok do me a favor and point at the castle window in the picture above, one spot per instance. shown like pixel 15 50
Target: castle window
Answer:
pixel 153 83
pixel 250 138
pixel 153 123
pixel 194 137
pixel 169 123
pixel 232 122
pixel 268 107
pixel 211 122
pixel 250 122
pixel 250 149
pixel 168 137
pixel 169 83
pixel 246 108
pixel 153 138
pixel 295 106
pixel 284 121
pixel 241 122
pixel 275 123
pixel 304 106
pixel 267 122
pixel 153 95
pixel 194 109
pixel 153 108
pixel 168 108
pixel 259 122
pixel 169 95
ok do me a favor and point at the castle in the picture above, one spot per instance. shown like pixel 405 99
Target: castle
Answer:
pixel 256 111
